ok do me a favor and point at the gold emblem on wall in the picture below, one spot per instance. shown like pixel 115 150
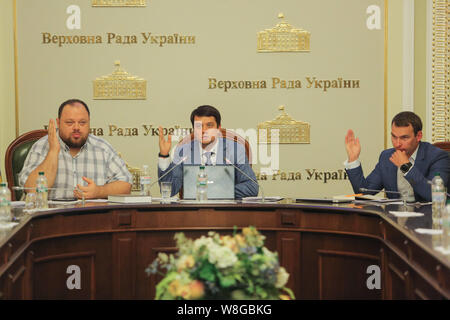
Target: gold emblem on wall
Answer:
pixel 289 129
pixel 119 3
pixel 284 38
pixel 120 85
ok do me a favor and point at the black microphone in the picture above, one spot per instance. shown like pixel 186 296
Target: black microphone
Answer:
pixel 241 171
pixel 372 190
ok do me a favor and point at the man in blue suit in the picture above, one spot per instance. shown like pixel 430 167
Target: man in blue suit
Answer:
pixel 407 168
pixel 208 148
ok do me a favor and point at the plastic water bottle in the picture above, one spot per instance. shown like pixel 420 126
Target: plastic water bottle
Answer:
pixel 145 181
pixel 438 196
pixel 202 185
pixel 5 203
pixel 41 191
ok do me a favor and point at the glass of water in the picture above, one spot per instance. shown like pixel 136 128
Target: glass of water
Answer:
pixel 166 191
pixel 30 201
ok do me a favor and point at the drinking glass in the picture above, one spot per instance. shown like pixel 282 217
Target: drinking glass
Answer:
pixel 30 201
pixel 166 191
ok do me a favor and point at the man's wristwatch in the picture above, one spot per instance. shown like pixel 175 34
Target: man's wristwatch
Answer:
pixel 405 167
pixel 161 156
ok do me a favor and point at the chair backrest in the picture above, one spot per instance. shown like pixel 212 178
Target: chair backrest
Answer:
pixel 227 134
pixel 444 145
pixel 15 158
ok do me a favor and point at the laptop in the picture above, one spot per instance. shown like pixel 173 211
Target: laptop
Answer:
pixel 220 181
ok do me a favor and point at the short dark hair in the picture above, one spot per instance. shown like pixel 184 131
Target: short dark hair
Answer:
pixel 72 102
pixel 406 118
pixel 206 111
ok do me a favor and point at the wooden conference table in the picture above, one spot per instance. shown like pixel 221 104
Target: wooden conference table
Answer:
pixel 326 248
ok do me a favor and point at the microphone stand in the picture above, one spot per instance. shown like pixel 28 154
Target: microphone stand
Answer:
pixel 245 174
pixel 403 196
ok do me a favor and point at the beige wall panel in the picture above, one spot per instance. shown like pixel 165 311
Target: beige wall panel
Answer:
pixel 225 49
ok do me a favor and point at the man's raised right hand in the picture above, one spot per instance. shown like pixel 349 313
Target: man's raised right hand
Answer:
pixel 164 145
pixel 53 140
pixel 352 146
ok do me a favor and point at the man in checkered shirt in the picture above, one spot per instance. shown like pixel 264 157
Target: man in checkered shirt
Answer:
pixel 75 162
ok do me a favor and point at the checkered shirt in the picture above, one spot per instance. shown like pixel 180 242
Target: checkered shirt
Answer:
pixel 96 160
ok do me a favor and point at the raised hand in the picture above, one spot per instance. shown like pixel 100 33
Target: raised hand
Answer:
pixel 53 140
pixel 164 145
pixel 352 146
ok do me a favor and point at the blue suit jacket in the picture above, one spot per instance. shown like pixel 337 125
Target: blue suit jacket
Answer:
pixel 235 152
pixel 429 160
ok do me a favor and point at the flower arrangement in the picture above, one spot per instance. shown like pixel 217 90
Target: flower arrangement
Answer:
pixel 221 267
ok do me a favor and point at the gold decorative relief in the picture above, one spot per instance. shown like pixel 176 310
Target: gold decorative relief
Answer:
pixel 135 173
pixel 119 3
pixel 120 85
pixel 284 38
pixel 440 71
pixel 289 130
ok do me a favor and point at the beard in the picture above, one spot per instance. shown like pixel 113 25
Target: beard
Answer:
pixel 75 144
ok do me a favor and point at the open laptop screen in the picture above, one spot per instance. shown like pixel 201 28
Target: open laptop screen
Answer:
pixel 220 181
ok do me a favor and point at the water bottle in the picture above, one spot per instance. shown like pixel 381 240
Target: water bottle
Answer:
pixel 145 181
pixel 5 203
pixel 438 196
pixel 202 185
pixel 41 191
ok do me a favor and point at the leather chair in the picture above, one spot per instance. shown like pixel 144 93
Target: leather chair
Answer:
pixel 444 145
pixel 227 134
pixel 15 158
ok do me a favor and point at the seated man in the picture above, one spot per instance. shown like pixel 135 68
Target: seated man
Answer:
pixel 408 167
pixel 207 147
pixel 70 155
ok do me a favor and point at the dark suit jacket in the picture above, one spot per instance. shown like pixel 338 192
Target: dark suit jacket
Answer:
pixel 429 160
pixel 235 152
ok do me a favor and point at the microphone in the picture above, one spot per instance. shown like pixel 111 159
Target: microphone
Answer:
pixel 241 171
pixel 372 190
pixel 165 174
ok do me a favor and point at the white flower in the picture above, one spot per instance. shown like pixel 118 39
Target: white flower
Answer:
pixel 203 241
pixel 222 257
pixel 282 278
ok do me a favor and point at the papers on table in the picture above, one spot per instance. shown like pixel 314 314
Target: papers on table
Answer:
pixel 7 225
pixel 209 201
pixel 259 199
pixel 442 250
pixel 428 231
pixel 405 214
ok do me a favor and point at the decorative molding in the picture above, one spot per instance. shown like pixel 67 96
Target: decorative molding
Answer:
pixel 408 55
pixel 440 71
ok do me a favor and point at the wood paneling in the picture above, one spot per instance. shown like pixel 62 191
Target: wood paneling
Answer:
pixel 325 251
